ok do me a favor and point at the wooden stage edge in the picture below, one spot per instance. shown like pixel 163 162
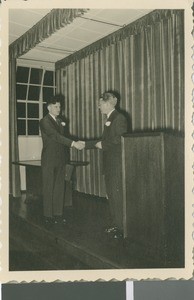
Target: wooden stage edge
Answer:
pixel 79 245
pixel 74 250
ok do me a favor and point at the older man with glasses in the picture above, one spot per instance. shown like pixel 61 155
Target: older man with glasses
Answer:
pixel 110 144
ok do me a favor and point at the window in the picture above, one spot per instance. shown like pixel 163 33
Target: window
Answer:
pixel 33 88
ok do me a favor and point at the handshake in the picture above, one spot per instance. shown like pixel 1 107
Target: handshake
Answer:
pixel 79 145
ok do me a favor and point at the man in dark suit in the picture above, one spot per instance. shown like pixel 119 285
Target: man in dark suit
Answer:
pixel 110 144
pixel 53 160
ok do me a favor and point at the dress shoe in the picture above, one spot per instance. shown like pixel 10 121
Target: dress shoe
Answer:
pixel 118 235
pixel 59 220
pixel 48 220
pixel 111 230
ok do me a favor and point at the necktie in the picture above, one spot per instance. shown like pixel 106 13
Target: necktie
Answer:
pixel 58 121
pixel 105 118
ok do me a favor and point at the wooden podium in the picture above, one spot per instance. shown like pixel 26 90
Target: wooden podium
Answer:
pixel 153 193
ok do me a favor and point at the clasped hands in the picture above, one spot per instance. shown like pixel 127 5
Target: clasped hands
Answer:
pixel 80 145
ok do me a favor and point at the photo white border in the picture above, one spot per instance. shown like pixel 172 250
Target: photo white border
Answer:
pixel 93 275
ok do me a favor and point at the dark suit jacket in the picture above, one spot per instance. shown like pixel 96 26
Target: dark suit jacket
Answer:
pixel 53 152
pixel 115 126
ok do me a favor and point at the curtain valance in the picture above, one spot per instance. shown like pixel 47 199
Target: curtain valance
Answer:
pixel 131 29
pixel 49 24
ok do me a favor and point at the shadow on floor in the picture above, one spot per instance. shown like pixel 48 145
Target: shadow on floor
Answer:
pixel 79 245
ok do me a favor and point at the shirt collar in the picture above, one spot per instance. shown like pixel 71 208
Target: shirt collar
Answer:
pixel 108 115
pixel 52 116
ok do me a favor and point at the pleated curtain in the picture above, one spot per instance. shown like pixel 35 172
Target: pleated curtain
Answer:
pixel 14 174
pixel 145 64
pixel 53 21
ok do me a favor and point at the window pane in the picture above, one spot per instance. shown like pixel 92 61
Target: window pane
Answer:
pixel 48 78
pixel 33 127
pixel 22 74
pixel 33 110
pixel 21 124
pixel 45 110
pixel 21 91
pixel 34 93
pixel 36 76
pixel 47 93
pixel 21 110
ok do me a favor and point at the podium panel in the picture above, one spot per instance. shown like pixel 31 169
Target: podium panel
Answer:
pixel 153 194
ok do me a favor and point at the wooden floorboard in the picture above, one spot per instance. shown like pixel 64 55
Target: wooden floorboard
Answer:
pixel 81 244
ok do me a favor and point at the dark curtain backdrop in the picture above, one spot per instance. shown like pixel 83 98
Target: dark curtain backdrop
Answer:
pixel 14 178
pixel 144 62
pixel 53 21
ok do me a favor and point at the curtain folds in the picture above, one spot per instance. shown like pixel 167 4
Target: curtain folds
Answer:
pixel 14 183
pixel 134 28
pixel 145 65
pixel 52 22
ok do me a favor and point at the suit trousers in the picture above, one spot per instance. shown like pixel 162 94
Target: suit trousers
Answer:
pixel 113 184
pixel 53 190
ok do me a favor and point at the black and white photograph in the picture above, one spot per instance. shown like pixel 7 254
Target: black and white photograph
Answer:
pixel 97 123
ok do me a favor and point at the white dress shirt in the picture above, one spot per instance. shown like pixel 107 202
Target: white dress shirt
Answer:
pixel 108 115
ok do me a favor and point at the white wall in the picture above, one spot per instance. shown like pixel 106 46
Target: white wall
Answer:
pixel 30 148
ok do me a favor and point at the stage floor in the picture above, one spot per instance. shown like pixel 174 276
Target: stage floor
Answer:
pixel 79 245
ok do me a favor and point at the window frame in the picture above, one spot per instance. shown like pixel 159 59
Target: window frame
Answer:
pixel 39 102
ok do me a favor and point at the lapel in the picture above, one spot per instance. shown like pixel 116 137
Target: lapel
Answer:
pixel 112 116
pixel 108 128
pixel 53 122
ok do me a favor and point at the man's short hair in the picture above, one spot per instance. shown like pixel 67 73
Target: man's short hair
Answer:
pixel 109 96
pixel 58 98
pixel 106 96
